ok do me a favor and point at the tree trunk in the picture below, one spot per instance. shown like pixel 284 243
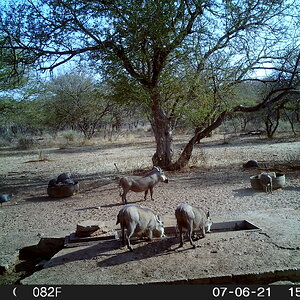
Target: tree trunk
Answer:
pixel 291 121
pixel 270 126
pixel 162 133
pixel 188 149
pixel 185 155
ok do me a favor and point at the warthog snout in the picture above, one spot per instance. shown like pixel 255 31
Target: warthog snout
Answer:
pixel 164 178
pixel 208 222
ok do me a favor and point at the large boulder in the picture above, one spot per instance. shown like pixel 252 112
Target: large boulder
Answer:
pixel 251 164
pixel 63 190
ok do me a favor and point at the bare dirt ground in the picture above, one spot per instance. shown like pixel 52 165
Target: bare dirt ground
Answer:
pixel 214 180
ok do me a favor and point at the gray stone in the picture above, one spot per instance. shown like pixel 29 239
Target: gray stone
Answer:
pixel 90 228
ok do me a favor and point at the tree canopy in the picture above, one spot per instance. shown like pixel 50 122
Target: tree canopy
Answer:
pixel 185 55
pixel 78 101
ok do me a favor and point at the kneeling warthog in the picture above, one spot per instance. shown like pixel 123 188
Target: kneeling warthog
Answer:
pixel 138 219
pixel 266 182
pixel 192 218
pixel 142 183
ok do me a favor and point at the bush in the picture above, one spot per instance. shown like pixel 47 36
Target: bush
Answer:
pixel 5 140
pixel 69 138
pixel 69 135
pixel 25 143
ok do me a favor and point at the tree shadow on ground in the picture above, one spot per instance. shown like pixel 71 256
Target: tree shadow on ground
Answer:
pixel 111 205
pixel 292 188
pixel 244 192
pixel 121 204
pixel 86 208
pixel 42 199
pixel 95 184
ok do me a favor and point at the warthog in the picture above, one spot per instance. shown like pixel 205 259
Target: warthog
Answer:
pixel 138 219
pixel 266 182
pixel 142 183
pixel 192 218
pixel 62 177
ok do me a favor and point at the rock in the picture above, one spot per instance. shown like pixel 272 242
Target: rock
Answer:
pixel 251 164
pixel 89 228
pixel 62 190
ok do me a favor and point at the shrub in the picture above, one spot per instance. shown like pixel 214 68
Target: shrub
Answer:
pixel 69 138
pixel 69 135
pixel 25 143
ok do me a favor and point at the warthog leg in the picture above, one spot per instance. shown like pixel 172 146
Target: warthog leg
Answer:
pixel 146 193
pixel 124 200
pixel 123 235
pixel 181 236
pixel 190 233
pixel 151 193
pixel 129 233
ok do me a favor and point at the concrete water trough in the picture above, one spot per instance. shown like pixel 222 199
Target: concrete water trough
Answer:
pixel 171 231
pixel 239 225
pixel 234 226
pixel 230 254
pixel 278 181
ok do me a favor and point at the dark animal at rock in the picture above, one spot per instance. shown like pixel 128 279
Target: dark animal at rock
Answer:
pixel 62 177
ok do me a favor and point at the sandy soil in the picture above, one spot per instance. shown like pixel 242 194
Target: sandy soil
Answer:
pixel 214 180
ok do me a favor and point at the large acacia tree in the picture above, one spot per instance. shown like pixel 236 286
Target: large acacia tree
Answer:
pixel 78 101
pixel 151 41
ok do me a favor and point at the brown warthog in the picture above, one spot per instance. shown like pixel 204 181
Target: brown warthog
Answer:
pixel 138 219
pixel 192 218
pixel 142 183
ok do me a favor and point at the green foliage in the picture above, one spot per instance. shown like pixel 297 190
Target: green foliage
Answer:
pixel 129 95
pixel 69 135
pixel 11 76
pixel 76 100
pixel 28 116
pixel 176 61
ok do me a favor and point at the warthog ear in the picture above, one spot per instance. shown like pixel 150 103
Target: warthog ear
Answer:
pixel 158 219
pixel 157 168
